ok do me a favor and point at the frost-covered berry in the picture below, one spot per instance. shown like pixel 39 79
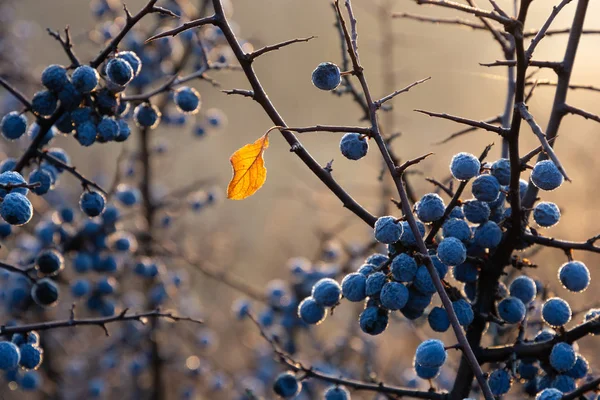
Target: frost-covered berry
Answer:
pixel 501 171
pixel 45 292
pixel 43 177
pixel 457 212
pixel 119 71
pixel 44 103
pixel 31 356
pixel 376 259
pixel 549 394
pixel 452 251
pixel 107 129
pixel 546 214
pixel 146 115
pixel 354 146
pixel 512 310
pixel 408 238
pixel 9 356
pixel 85 79
pixel 465 272
pixel 556 312
pixel 85 133
pixel 92 203
pixel 562 357
pixel 16 209
pixel 54 77
pixel 124 131
pixel 354 286
pixel 488 235
pixel 438 319
pixel 13 125
pixel 327 292
pixel 464 166
pixel 476 211
pixel 373 320
pixel 12 178
pixel 527 370
pixel 404 268
pixel 132 59
pixel 393 295
pixel 580 369
pixel 387 230
pixel 574 275
pixel 457 228
pixel 430 208
pixel 375 283
pixel 426 372
pixel 486 188
pixel 523 288
pixel 187 100
pixel 311 312
pixel 286 385
pixel 326 76
pixel 336 393
pixel 500 382
pixel 423 282
pixel 431 353
pixel 464 312
pixel 49 262
pixel 564 383
pixel 546 176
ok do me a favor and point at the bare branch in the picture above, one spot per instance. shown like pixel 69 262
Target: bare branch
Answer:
pixel 414 161
pixel 186 26
pixel 66 44
pixel 390 96
pixel 277 46
pixel 71 169
pixel 554 65
pixel 329 128
pixel 15 92
pixel 471 10
pixel 442 21
pixel 544 29
pixel 582 113
pixel 468 130
pixel 476 124
pixel 561 244
pixel 241 92
pixel 546 82
pixel 527 157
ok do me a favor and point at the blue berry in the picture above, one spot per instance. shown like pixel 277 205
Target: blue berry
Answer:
pixel 556 312
pixel 562 357
pixel 465 272
pixel 31 380
pixel 327 292
pixel 464 312
pixel 457 228
pixel 476 211
pixel 452 251
pixel 373 320
pixel 431 353
pixel 132 59
pixel 457 212
pixel 124 131
pixel 438 319
pixel 549 394
pixel 423 282
pixel 546 214
pixel 128 195
pixel 13 125
pixel 107 129
pixel 286 385
pixel 45 292
pixel 8 164
pixel 574 275
pixel 527 370
pixel 354 146
pixel 12 178
pixel 9 356
pixel 512 310
pixel 393 295
pixel 85 79
pixel 501 171
pixel 44 103
pixel 16 209
pixel 408 238
pixel 146 115
pixel 42 177
pixel 430 208
pixel 546 176
pixel 80 288
pixel 377 259
pixel 241 308
pixel 326 76
pixel 426 372
pixel 70 98
pixel 544 335
pixel 215 118
pixel 354 286
pixel 92 203
pixel 464 166
pixel 311 312
pixel 336 393
pixel 85 133
pixel 486 188
pixel 187 100
pixel 34 130
pixel 31 356
pixel 404 268
pixel 580 369
pixel 49 262
pixel 564 383
pixel 54 77
pixel 523 288
pixel 488 235
pixel 499 382
pixel 387 230
pixel 119 71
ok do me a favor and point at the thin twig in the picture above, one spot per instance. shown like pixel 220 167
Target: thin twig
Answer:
pixel 390 96
pixel 476 124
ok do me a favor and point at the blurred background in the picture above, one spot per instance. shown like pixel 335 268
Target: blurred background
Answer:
pixel 293 213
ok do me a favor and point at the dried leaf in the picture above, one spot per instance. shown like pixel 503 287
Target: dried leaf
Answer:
pixel 249 172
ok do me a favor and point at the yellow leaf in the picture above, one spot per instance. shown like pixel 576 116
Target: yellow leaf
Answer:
pixel 249 172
